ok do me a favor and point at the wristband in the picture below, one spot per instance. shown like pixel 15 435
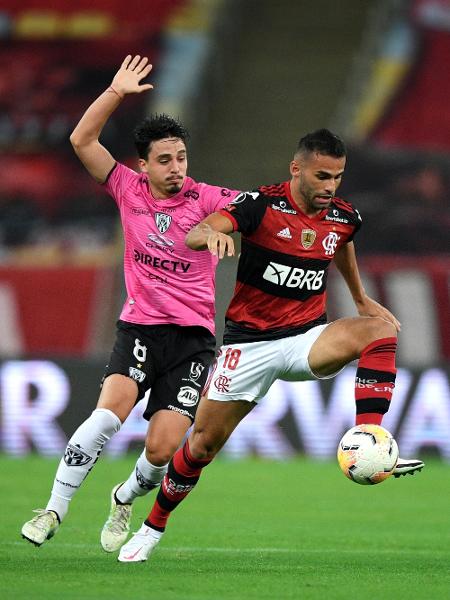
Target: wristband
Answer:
pixel 115 92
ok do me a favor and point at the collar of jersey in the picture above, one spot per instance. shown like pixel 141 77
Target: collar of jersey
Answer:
pixel 296 207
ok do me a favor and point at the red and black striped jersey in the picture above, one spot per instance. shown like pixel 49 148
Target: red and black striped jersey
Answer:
pixel 285 254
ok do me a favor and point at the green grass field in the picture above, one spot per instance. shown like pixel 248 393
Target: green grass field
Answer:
pixel 253 529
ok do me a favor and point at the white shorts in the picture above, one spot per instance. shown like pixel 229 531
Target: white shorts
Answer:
pixel 246 371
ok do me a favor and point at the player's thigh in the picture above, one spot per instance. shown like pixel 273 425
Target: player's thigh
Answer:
pixel 129 372
pixel 165 435
pixel 245 371
pixel 343 341
pixel 118 394
pixel 214 423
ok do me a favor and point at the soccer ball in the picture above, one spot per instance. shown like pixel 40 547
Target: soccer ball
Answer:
pixel 367 454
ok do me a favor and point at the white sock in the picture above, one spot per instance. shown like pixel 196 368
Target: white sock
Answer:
pixel 144 478
pixel 146 530
pixel 82 452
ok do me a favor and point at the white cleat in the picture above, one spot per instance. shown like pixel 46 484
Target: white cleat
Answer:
pixel 139 547
pixel 115 530
pixel 407 467
pixel 41 527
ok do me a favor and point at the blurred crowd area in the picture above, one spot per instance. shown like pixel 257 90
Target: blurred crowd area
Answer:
pixel 55 59
pixel 404 202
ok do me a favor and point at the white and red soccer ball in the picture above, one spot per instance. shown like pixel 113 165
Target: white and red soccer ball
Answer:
pixel 367 454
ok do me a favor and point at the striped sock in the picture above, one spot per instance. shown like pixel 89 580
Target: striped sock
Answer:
pixel 375 380
pixel 182 475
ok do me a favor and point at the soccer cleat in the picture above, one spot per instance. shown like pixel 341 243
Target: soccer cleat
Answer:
pixel 138 548
pixel 407 467
pixel 41 528
pixel 115 530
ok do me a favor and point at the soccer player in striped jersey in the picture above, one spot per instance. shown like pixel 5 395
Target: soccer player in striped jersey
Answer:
pixel 276 325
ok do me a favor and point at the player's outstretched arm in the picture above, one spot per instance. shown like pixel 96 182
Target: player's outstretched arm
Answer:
pixel 345 259
pixel 85 137
pixel 212 234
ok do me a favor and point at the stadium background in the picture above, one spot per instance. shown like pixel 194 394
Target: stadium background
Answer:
pixel 248 78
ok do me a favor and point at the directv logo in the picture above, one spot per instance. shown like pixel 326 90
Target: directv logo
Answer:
pixel 293 277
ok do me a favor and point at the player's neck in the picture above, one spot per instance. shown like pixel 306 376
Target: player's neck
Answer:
pixel 300 203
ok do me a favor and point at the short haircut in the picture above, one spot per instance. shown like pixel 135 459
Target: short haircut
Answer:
pixel 322 141
pixel 157 127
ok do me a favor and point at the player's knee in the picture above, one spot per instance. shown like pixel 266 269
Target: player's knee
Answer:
pixel 371 330
pixel 159 456
pixel 204 445
pixel 380 328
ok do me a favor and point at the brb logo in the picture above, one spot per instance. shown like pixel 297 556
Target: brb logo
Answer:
pixel 330 243
pixel 293 277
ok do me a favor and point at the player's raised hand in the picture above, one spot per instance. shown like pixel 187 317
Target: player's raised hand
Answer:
pixel 128 78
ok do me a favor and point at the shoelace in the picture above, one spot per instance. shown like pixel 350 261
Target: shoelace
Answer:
pixel 118 521
pixel 43 519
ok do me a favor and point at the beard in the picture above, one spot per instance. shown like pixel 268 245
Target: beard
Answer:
pixel 174 187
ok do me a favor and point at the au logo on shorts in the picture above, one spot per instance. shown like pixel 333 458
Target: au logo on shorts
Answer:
pixel 308 237
pixel 162 221
pixel 187 396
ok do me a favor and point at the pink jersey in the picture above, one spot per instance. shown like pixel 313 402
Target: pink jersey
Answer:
pixel 166 281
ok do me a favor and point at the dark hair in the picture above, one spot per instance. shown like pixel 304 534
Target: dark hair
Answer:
pixel 323 142
pixel 157 127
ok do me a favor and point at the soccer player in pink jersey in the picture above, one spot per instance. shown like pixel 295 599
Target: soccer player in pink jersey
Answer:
pixel 165 335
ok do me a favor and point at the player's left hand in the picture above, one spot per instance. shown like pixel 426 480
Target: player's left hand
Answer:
pixel 128 78
pixel 220 243
pixel 371 308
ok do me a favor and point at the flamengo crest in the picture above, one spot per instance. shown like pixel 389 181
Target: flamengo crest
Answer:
pixel 307 238
pixel 162 221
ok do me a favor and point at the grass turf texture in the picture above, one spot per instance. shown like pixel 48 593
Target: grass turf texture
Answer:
pixel 252 529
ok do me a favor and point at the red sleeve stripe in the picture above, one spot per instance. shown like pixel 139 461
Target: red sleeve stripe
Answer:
pixel 273 190
pixel 231 218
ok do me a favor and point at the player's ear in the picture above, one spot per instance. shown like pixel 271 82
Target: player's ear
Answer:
pixel 294 168
pixel 142 165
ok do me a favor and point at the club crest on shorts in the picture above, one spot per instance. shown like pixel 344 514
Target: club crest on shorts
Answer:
pixel 162 221
pixel 196 370
pixel 136 374
pixel 307 238
pixel 222 383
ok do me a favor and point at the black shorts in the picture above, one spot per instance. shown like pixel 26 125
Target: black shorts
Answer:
pixel 170 361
